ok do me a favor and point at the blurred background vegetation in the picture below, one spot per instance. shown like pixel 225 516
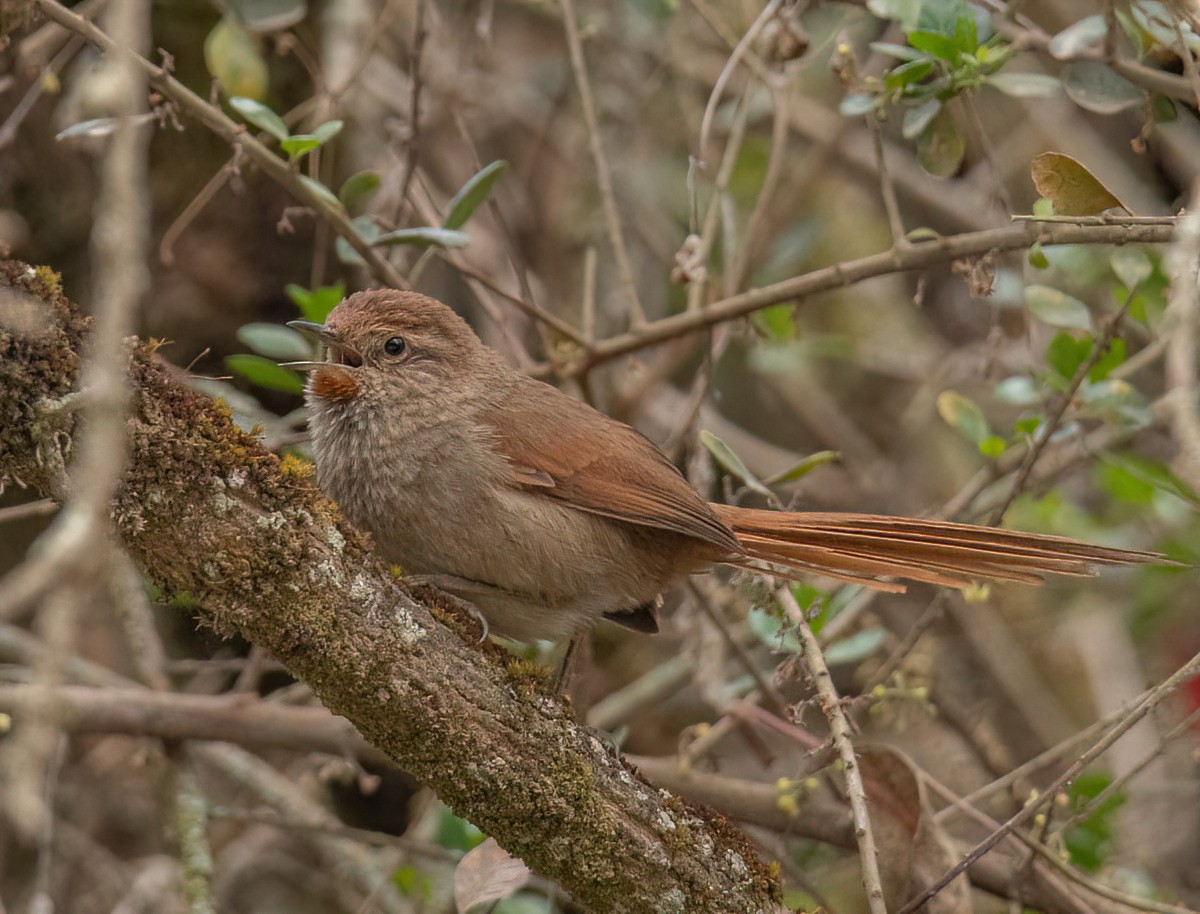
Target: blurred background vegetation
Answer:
pixel 569 173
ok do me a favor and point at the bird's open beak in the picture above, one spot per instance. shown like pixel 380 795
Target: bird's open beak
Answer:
pixel 339 353
pixel 312 328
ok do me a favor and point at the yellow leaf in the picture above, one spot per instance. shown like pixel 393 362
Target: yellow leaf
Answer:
pixel 233 59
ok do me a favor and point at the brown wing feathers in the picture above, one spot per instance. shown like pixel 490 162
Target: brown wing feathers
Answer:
pixel 864 547
pixel 604 467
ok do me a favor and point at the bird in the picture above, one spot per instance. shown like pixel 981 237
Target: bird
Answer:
pixel 546 515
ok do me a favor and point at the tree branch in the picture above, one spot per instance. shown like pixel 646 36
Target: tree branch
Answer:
pixel 209 513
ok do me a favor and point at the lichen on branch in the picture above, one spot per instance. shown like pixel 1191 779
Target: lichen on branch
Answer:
pixel 209 513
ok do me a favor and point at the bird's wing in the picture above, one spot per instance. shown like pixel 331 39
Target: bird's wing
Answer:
pixel 560 448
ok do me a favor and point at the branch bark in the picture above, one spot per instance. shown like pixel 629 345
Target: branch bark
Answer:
pixel 211 515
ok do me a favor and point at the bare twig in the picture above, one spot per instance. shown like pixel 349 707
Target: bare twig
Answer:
pixel 612 215
pixel 1151 700
pixel 919 256
pixel 839 728
pixel 1055 416
pixel 236 135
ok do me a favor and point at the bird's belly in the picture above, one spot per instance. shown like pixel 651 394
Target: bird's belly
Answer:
pixel 537 569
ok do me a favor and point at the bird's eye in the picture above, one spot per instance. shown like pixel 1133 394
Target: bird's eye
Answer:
pixel 394 346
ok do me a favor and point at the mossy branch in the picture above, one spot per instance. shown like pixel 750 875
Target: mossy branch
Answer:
pixel 209 513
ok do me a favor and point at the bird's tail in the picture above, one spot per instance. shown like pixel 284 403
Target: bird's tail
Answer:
pixel 871 549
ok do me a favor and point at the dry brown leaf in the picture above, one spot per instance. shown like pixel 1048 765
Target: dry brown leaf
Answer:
pixel 1073 189
pixel 487 873
pixel 914 851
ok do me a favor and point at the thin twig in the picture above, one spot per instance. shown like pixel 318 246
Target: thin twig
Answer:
pixel 612 215
pixel 236 135
pixel 718 90
pixel 1055 416
pixel 413 151
pixel 917 257
pixel 840 730
pixel 1152 700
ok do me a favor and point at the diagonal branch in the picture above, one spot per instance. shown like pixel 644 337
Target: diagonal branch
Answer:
pixel 209 513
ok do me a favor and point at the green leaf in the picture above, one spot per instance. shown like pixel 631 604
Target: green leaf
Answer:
pixel 423 236
pixel 265 373
pixel 1066 353
pixel 777 321
pixel 357 188
pixel 1078 37
pixel 804 467
pixel 1057 308
pixel 1163 109
pixel 412 883
pixel 941 147
pixel 472 194
pixel 1037 257
pixel 315 304
pixel 328 131
pixel 269 15
pixel 367 230
pixel 963 415
pixel 899 51
pixel 1092 85
pixel 1019 390
pixel 908 73
pixel 1074 190
pixel 992 446
pixel 1113 357
pixel 906 12
pixel 1025 85
pixel 457 834
pixel 260 116
pixel 941 46
pixel 729 461
pixel 298 144
pixel 856 104
pixel 1043 206
pixel 275 341
pixel 1132 266
pixel 918 118
pixel 232 57
pixel 320 190
pixel 1154 474
pixel 856 647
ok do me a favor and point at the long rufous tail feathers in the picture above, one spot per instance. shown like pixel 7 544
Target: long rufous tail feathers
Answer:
pixel 871 548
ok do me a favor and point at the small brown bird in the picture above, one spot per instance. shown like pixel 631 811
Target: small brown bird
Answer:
pixel 548 515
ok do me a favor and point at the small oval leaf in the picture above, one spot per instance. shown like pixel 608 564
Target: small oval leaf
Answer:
pixel 265 373
pixel 232 57
pixel 963 415
pixel 472 194
pixel 1057 308
pixel 358 187
pixel 1079 37
pixel 941 147
pixel 1132 266
pixel 260 116
pixel 729 461
pixel 275 341
pixel 425 235
pixel 320 190
pixel 1026 85
pixel 1092 85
